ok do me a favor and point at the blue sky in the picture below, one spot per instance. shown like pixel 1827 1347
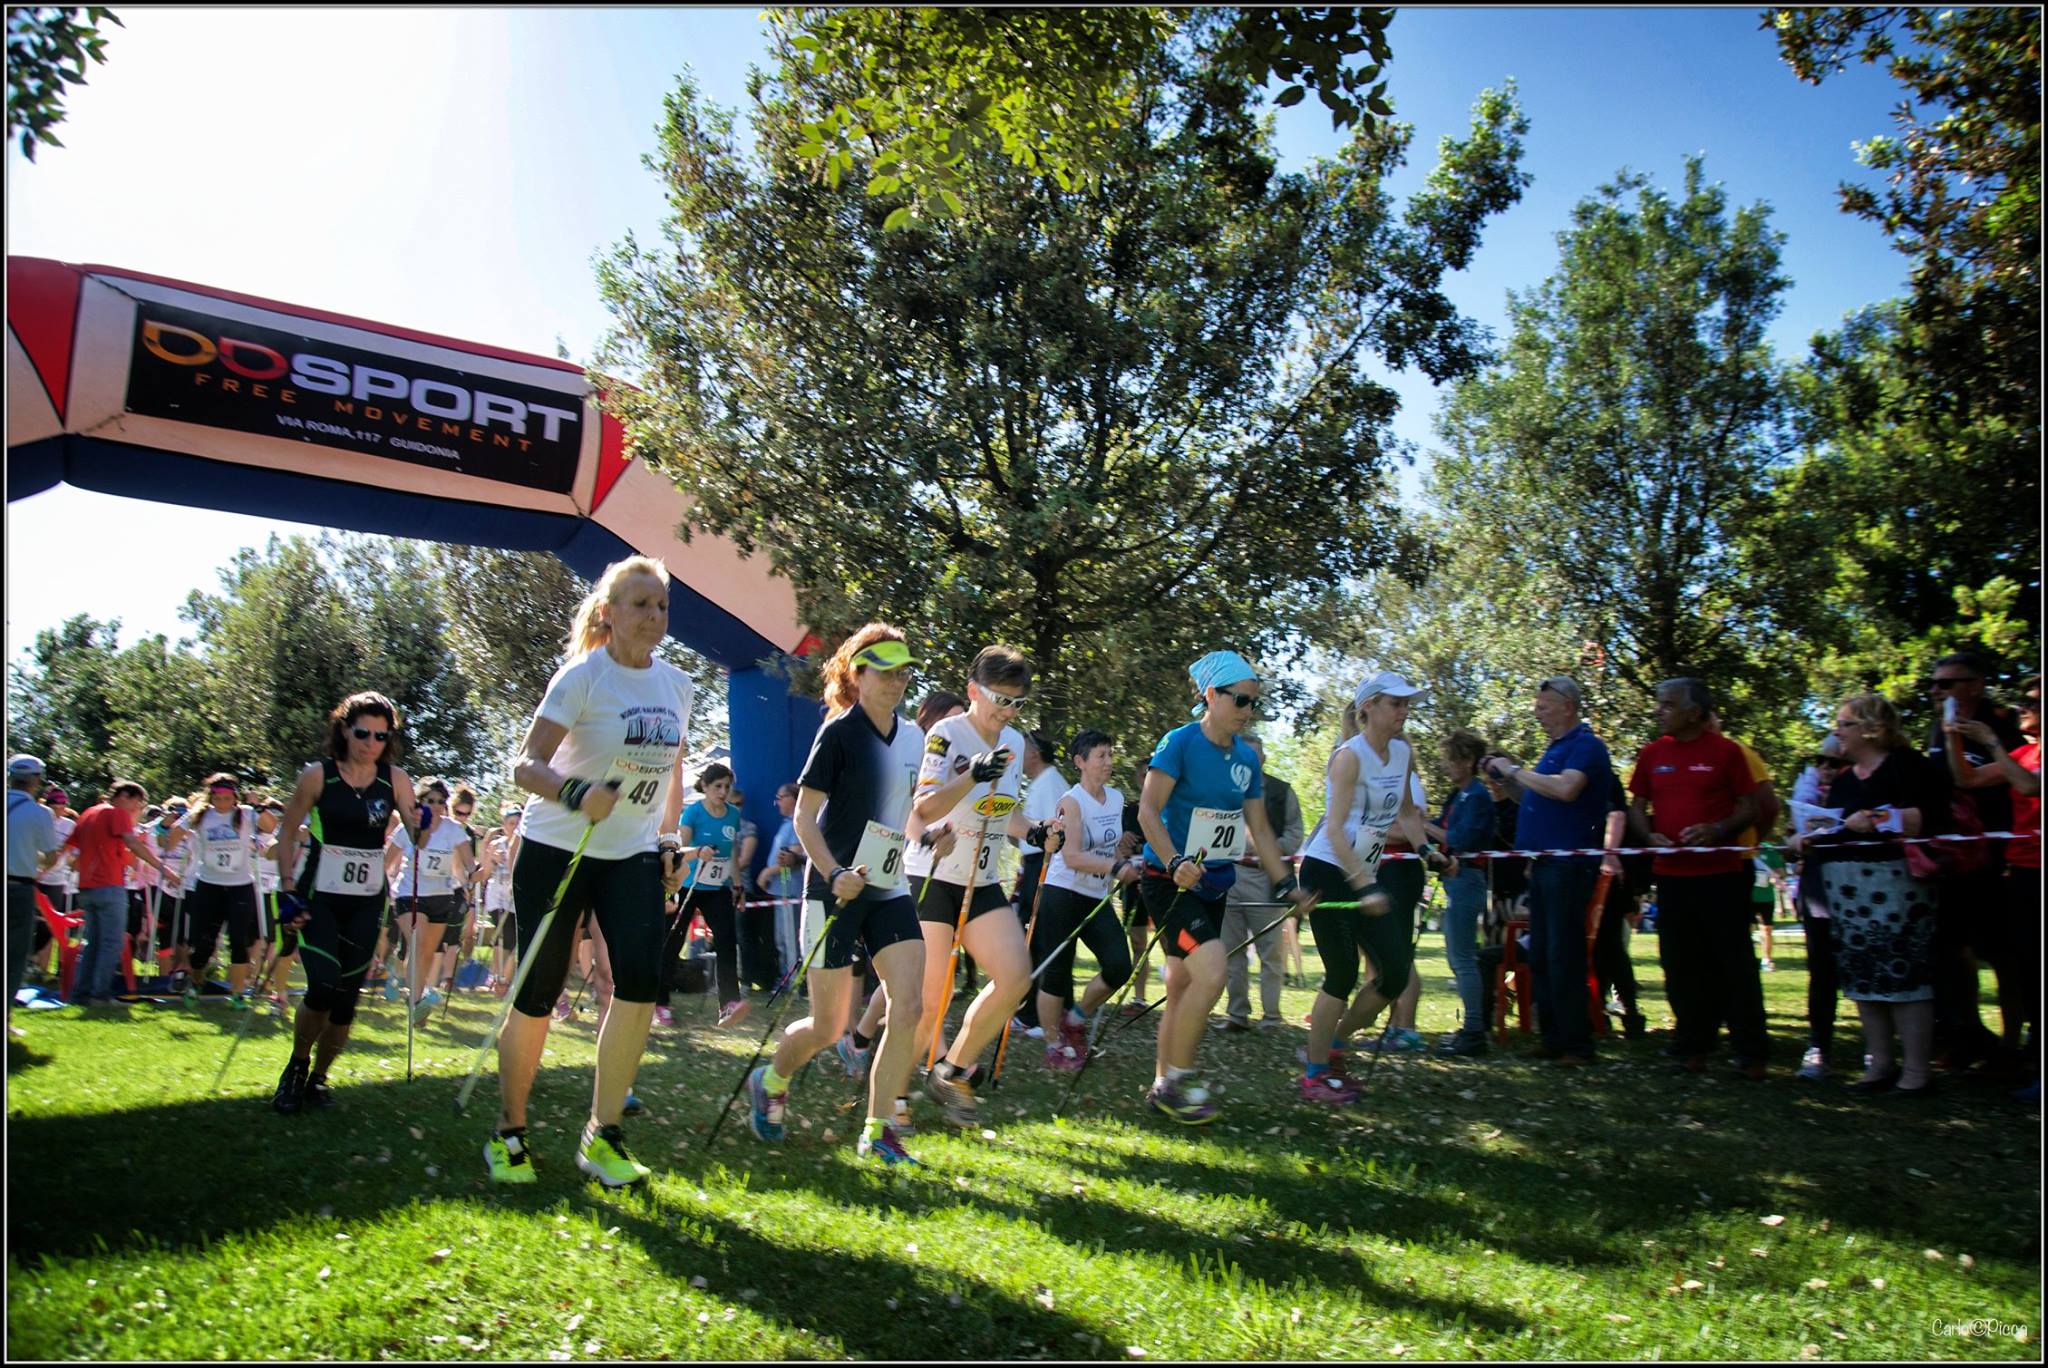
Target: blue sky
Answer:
pixel 456 170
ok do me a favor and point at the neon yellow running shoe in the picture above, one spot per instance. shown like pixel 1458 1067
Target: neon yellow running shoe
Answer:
pixel 604 1158
pixel 506 1154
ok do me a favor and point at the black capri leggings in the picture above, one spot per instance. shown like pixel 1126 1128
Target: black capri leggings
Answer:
pixel 624 895
pixel 716 906
pixel 1058 911
pixel 1342 933
pixel 207 906
pixel 339 939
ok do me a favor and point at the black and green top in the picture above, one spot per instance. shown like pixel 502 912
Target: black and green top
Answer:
pixel 349 818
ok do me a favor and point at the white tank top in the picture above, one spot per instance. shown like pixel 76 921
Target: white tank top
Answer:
pixel 498 892
pixel 1102 826
pixel 222 849
pixel 266 866
pixel 1375 803
pixel 437 868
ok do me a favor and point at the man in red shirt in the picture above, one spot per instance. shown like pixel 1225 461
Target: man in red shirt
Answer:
pixel 104 838
pixel 2019 982
pixel 1693 787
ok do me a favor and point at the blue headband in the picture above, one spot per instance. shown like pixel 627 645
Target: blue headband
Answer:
pixel 1217 669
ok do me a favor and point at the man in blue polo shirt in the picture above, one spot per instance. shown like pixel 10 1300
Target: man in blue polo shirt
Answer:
pixel 1564 807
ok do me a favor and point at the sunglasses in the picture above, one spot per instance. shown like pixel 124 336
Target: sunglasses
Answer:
pixel 1242 700
pixel 1951 683
pixel 464 812
pixel 1005 702
pixel 365 734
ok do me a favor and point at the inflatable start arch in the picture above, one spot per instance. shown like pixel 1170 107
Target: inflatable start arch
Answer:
pixel 137 385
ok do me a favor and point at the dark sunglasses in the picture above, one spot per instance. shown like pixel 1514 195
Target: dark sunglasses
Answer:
pixel 1242 700
pixel 365 734
pixel 1951 683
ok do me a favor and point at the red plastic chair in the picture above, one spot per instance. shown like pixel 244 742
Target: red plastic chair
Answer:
pixel 61 926
pixel 1512 963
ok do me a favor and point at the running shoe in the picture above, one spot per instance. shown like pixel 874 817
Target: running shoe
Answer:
pixel 238 1002
pixel 1188 1104
pixel 1332 1088
pixel 508 1158
pixel 190 996
pixel 1063 1058
pixel 664 1017
pixel 1767 966
pixel 1406 1040
pixel 391 987
pixel 278 1005
pixel 852 1058
pixel 902 1122
pixel 1074 1034
pixel 426 1006
pixel 604 1158
pixel 954 1095
pixel 563 1011
pixel 1462 1044
pixel 734 1012
pixel 769 1108
pixel 887 1149
pixel 291 1087
pixel 632 1106
pixel 318 1095
pixel 1813 1068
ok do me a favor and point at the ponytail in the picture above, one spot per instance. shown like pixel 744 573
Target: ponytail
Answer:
pixel 589 630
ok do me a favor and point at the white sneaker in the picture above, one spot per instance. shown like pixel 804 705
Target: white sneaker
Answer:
pixel 1813 1067
pixel 1768 966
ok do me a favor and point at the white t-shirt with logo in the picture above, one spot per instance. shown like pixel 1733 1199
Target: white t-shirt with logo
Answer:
pixel 436 871
pixel 1375 803
pixel 622 724
pixel 223 850
pixel 1042 802
pixel 1102 826
pixel 949 751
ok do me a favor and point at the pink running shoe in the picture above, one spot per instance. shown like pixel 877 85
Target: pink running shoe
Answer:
pixel 1329 1087
pixel 664 1017
pixel 1064 1058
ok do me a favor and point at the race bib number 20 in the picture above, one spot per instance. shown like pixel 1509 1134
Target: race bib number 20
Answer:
pixel 1216 834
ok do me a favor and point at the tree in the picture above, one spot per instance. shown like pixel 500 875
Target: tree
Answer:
pixel 1619 450
pixel 924 94
pixel 57 705
pixel 47 49
pixel 1923 415
pixel 164 720
pixel 1116 424
pixel 303 624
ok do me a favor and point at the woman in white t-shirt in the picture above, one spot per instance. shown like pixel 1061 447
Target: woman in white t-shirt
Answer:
pixel 220 886
pixel 500 848
pixel 604 757
pixel 423 892
pixel 1075 904
pixel 970 782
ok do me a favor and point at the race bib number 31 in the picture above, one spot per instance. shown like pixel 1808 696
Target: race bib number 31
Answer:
pixel 713 873
pixel 881 850
pixel 349 872
pixel 1216 834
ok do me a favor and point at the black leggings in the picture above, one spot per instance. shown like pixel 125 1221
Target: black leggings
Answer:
pixel 340 939
pixel 624 895
pixel 207 906
pixel 1342 933
pixel 1059 909
pixel 716 906
pixel 1611 964
pixel 1823 979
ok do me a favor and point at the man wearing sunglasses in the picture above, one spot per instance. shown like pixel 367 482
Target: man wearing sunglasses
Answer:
pixel 1968 924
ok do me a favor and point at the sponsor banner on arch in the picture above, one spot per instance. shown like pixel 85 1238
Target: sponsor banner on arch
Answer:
pixel 194 367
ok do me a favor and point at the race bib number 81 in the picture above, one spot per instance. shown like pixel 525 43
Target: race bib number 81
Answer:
pixel 881 850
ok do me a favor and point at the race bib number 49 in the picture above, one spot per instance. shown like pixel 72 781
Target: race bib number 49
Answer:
pixel 1216 834
pixel 639 786
pixel 349 872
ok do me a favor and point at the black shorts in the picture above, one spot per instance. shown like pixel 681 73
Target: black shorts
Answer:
pixel 863 930
pixel 624 896
pixel 1186 920
pixel 440 909
pixel 942 902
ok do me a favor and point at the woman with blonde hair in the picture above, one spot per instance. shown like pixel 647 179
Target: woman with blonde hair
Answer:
pixel 604 758
pixel 1883 913
pixel 852 815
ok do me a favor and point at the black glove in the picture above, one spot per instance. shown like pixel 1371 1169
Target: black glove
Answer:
pixel 1037 834
pixel 991 764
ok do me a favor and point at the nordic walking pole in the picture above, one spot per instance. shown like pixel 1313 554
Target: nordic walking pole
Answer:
pixel 682 910
pixel 1003 1046
pixel 540 936
pixel 412 960
pixel 773 1021
pixel 959 927
pixel 250 1015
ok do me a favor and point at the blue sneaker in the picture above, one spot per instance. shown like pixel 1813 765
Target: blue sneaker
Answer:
pixel 391 987
pixel 853 1059
pixel 886 1149
pixel 1406 1040
pixel 425 1009
pixel 632 1106
pixel 768 1106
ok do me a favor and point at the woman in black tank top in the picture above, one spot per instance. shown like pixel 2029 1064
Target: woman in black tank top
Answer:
pixel 348 802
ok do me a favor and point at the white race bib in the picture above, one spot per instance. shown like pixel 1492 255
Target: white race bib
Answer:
pixel 881 850
pixel 639 786
pixel 1216 834
pixel 349 872
pixel 230 858
pixel 713 873
pixel 434 864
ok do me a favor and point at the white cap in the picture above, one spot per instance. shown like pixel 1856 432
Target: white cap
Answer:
pixel 1388 683
pixel 23 766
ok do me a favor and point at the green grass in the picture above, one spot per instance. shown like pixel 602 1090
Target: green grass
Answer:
pixel 1495 1208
